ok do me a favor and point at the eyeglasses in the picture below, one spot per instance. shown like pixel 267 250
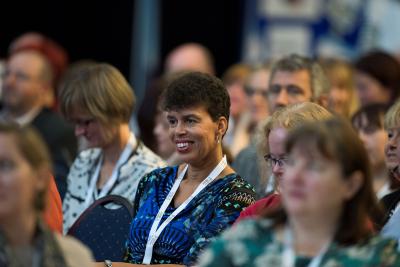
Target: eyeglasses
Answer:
pixel 291 90
pixel 18 76
pixel 273 161
pixel 250 91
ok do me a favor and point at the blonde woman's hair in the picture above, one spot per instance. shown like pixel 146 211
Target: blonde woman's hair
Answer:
pixel 289 117
pixel 392 116
pixel 341 72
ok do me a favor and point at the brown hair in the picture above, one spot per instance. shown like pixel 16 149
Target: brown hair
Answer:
pixel 384 68
pixel 289 118
pixel 102 91
pixel 374 113
pixel 336 139
pixel 33 149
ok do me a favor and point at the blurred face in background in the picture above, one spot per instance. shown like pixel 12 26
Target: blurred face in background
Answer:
pixel 338 101
pixel 238 98
pixel 289 88
pixel 308 183
pixel 341 96
pixel 374 138
pixel 19 181
pixel 165 147
pixel 370 90
pixel 23 85
pixel 256 89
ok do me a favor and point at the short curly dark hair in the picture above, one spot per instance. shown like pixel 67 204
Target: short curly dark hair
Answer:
pixel 195 88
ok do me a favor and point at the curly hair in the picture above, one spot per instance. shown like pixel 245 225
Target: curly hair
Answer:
pixel 192 89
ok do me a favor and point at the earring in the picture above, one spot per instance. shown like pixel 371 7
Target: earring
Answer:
pixel 218 140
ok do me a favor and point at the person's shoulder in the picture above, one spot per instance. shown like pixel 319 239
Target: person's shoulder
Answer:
pixel 154 181
pixel 159 174
pixel 147 157
pixel 87 156
pixel 390 200
pixel 75 253
pixel 235 194
pixel 374 251
pixel 235 183
pixel 85 160
pixel 250 229
pixel 379 244
pixel 268 201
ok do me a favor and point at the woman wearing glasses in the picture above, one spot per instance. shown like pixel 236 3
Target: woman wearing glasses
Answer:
pixel 271 147
pixel 327 199
pixel 99 102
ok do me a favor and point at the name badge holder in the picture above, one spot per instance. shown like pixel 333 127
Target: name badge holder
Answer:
pixel 156 230
pixel 92 193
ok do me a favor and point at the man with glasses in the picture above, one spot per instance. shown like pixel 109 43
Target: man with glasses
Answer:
pixel 271 143
pixel 293 79
pixel 27 79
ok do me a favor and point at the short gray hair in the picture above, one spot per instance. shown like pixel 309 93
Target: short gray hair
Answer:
pixel 319 82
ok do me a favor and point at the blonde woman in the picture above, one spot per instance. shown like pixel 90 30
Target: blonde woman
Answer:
pixel 271 154
pixel 99 102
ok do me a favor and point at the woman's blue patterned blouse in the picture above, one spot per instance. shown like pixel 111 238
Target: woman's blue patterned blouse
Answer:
pixel 208 214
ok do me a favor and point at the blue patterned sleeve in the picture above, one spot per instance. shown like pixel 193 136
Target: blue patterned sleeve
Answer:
pixel 145 186
pixel 234 199
pixel 143 191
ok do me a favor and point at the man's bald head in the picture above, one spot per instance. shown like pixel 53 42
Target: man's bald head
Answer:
pixel 190 57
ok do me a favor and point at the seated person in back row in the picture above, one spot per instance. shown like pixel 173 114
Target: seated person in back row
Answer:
pixel 327 199
pixel 99 102
pixel 271 146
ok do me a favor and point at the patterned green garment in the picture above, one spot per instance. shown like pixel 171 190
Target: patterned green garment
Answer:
pixel 253 243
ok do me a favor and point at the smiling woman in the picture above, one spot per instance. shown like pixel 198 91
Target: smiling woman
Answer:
pixel 179 209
